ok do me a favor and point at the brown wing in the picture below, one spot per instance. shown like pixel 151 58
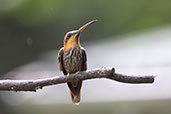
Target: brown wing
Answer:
pixel 84 62
pixel 60 61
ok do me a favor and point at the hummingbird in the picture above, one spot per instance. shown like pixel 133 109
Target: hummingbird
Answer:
pixel 72 59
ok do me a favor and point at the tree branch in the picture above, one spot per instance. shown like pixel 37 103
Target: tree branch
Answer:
pixel 109 73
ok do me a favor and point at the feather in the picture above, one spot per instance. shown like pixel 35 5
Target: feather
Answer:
pixel 75 87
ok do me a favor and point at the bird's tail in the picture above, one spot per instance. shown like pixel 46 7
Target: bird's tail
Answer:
pixel 75 91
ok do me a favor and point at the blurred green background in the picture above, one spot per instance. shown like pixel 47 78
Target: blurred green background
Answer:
pixel 46 22
pixel 29 28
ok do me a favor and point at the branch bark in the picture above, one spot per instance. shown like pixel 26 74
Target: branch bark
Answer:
pixel 105 72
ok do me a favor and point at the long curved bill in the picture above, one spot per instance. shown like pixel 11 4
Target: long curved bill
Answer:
pixel 86 25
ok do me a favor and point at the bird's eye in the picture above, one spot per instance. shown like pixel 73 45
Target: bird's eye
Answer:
pixel 69 35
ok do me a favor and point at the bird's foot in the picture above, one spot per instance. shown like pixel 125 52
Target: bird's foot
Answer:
pixel 77 72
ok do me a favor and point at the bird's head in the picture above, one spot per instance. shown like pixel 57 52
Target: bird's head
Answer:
pixel 72 38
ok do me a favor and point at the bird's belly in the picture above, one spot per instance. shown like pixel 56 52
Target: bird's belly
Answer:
pixel 73 62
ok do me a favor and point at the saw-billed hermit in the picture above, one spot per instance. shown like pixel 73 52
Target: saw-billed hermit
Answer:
pixel 72 59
